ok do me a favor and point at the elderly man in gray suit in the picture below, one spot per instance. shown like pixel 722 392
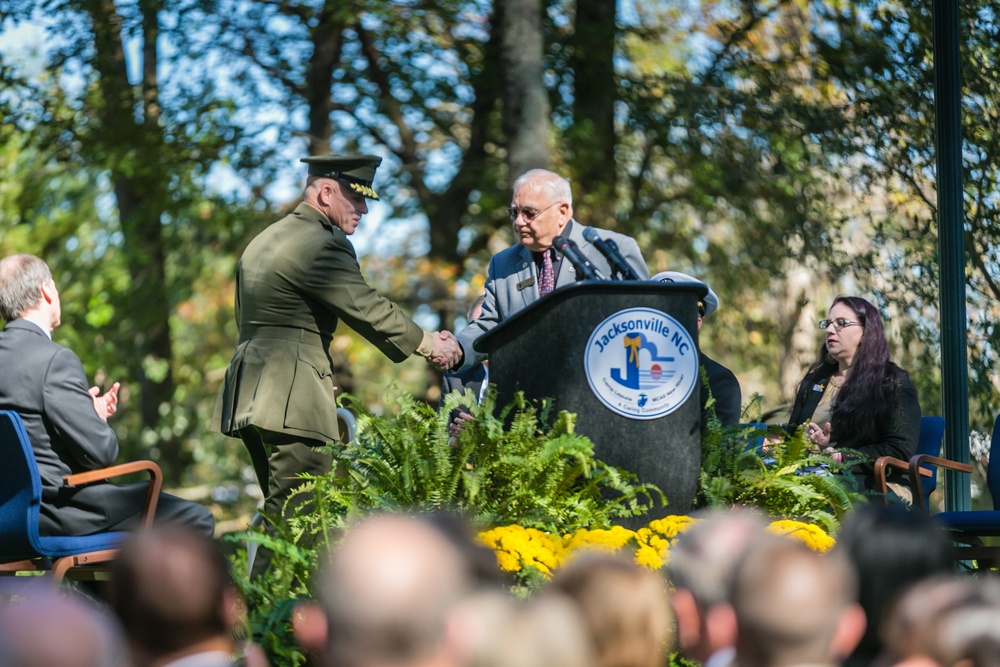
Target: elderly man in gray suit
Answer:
pixel 541 209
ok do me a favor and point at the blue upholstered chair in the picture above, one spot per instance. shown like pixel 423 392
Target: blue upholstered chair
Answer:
pixel 969 527
pixel 21 547
pixel 931 437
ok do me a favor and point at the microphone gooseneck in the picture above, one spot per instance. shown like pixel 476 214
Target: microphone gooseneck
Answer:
pixel 571 251
pixel 619 265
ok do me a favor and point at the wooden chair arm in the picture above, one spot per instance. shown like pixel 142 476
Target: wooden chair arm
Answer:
pixel 152 494
pixel 919 459
pixel 937 461
pixel 883 462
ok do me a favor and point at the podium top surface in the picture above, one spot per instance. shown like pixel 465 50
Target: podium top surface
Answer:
pixel 582 288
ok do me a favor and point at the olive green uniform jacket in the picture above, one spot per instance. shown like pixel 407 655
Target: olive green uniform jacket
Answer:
pixel 294 282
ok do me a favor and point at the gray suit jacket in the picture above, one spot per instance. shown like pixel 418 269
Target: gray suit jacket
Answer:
pixel 512 282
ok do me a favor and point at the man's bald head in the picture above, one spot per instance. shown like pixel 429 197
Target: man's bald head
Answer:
pixel 57 628
pixel 388 590
pixel 790 603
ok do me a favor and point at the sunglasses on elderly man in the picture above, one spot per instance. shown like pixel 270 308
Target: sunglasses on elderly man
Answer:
pixel 838 323
pixel 527 213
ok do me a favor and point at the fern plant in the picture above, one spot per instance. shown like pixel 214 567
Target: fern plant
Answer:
pixel 504 468
pixel 783 478
pixel 513 468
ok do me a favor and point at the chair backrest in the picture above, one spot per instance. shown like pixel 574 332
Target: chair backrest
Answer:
pixel 993 467
pixel 931 437
pixel 20 491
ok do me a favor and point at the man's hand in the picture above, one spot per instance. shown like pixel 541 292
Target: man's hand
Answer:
pixel 105 404
pixel 446 352
pixel 458 423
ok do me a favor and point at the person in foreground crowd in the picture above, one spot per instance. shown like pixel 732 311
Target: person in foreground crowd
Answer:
pixel 891 548
pixel 945 621
pixel 49 628
pixel 295 281
pixel 794 606
pixel 722 382
pixel 853 397
pixel 547 630
pixel 625 606
pixel 702 565
pixel 541 210
pixel 390 595
pixel 175 598
pixel 67 421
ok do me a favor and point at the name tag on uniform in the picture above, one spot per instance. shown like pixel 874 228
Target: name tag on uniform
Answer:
pixel 527 282
pixel 817 387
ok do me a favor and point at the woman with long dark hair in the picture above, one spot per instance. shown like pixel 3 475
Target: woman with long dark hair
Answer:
pixel 854 398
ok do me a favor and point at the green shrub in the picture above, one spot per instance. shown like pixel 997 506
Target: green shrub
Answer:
pixel 512 468
pixel 783 479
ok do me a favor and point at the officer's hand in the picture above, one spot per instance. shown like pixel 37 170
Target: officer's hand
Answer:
pixel 446 352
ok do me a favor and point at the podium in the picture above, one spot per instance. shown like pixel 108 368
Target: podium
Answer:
pixel 623 356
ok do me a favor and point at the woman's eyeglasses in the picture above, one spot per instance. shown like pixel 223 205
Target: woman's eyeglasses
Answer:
pixel 838 323
pixel 528 214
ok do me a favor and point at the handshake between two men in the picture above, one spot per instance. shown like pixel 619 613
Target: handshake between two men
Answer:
pixel 446 352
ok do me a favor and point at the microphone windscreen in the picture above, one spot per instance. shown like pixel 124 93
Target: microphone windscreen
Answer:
pixel 560 242
pixel 590 234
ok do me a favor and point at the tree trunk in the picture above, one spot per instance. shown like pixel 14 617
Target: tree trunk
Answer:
pixel 327 40
pixel 525 100
pixel 592 136
pixel 136 153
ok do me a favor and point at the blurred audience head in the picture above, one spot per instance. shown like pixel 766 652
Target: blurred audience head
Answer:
pixel 794 606
pixel 546 631
pixel 945 621
pixel 50 627
pixel 702 564
pixel 626 608
pixel 389 592
pixel 173 593
pixel 890 548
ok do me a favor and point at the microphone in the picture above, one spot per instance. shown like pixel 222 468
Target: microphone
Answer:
pixel 609 249
pixel 579 261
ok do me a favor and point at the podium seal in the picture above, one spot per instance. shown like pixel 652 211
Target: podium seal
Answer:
pixel 641 363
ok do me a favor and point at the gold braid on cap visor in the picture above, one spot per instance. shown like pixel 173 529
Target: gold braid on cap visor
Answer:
pixel 363 190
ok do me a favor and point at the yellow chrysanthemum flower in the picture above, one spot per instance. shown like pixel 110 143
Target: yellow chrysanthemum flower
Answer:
pixel 648 558
pixel 518 548
pixel 673 525
pixel 809 534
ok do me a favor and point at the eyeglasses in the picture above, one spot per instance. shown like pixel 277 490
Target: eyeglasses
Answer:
pixel 838 323
pixel 527 213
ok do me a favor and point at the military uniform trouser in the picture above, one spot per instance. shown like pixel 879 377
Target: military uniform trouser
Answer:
pixel 278 460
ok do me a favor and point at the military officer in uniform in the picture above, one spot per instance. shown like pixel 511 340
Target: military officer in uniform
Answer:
pixel 294 282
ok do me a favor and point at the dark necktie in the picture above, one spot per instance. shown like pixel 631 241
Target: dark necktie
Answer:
pixel 547 277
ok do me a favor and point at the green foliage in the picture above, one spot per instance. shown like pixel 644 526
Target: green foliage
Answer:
pixel 516 467
pixel 317 513
pixel 512 467
pixel 783 477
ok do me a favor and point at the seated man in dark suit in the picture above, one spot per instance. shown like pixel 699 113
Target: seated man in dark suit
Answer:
pixel 67 423
pixel 541 209
pixel 722 382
